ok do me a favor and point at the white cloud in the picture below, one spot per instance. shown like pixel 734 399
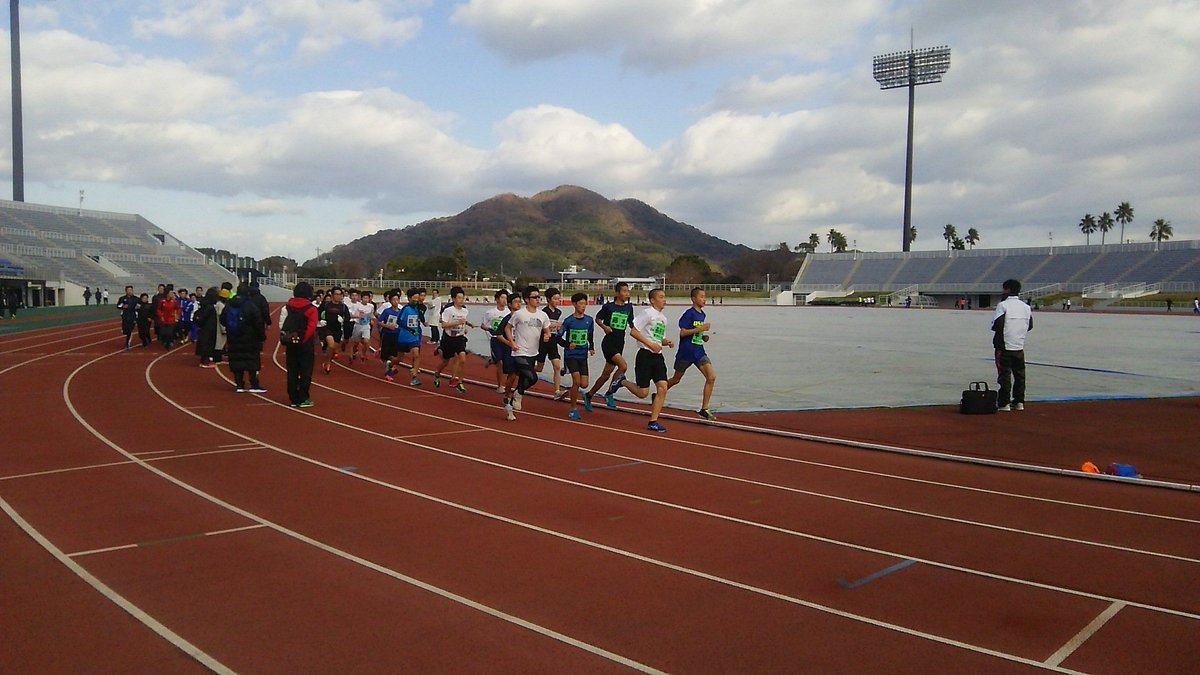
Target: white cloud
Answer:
pixel 666 33
pixel 263 207
pixel 321 27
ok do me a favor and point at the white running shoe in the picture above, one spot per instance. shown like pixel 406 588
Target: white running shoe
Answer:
pixel 500 390
pixel 508 413
pixel 516 401
pixel 1018 406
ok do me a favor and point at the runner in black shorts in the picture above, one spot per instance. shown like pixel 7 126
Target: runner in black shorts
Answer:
pixel 548 351
pixel 650 368
pixel 333 326
pixel 614 318
pixel 453 345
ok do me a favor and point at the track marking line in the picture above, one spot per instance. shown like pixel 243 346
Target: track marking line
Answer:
pixel 104 465
pixel 794 435
pixel 168 540
pixel 153 452
pixel 774 486
pixel 611 466
pixel 345 555
pixel 567 537
pixel 851 585
pixel 116 598
pixel 1082 636
pixel 650 500
pixel 439 433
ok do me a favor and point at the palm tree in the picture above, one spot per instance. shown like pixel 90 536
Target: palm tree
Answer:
pixel 837 241
pixel 973 237
pixel 1088 226
pixel 1105 224
pixel 958 244
pixel 1124 217
pixel 949 233
pixel 912 234
pixel 1161 231
pixel 814 240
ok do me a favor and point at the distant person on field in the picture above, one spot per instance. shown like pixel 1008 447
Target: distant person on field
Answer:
pixel 104 295
pixel 1195 305
pixel 87 296
pixel 4 301
pixel 1012 321
pixel 1170 303
pixel 693 333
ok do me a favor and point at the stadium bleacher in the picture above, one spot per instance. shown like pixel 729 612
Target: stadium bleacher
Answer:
pixel 1174 265
pixel 53 253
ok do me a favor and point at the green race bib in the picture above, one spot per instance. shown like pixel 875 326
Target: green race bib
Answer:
pixel 697 338
pixel 660 331
pixel 618 321
pixel 578 337
pixel 496 323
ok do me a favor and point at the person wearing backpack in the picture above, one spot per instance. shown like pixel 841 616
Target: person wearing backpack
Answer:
pixel 245 333
pixel 298 334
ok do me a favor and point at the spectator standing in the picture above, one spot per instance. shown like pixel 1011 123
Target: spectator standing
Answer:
pixel 205 319
pixel 246 333
pixel 1012 321
pixel 301 318
pixel 87 296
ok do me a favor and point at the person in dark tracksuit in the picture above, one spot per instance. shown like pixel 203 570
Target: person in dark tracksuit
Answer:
pixel 301 356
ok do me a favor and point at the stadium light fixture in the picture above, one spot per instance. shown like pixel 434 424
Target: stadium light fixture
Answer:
pixel 908 69
pixel 18 143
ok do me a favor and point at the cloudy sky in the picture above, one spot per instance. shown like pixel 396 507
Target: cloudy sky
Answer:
pixel 284 126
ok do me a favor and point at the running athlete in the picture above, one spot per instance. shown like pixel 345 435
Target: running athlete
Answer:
pixel 389 328
pixel 504 355
pixel 491 323
pixel 361 311
pixel 649 367
pixel 408 338
pixel 549 350
pixel 333 324
pixel 693 333
pixel 527 329
pixel 614 318
pixel 129 305
pixel 187 307
pixel 453 345
pixel 576 335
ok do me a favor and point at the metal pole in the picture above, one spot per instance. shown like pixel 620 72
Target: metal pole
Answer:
pixel 908 155
pixel 18 144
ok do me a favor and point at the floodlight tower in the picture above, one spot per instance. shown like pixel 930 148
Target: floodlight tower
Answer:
pixel 908 69
pixel 18 143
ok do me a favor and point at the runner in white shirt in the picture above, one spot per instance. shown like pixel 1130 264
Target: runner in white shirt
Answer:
pixel 360 321
pixel 527 329
pixel 650 366
pixel 491 322
pixel 453 345
pixel 433 313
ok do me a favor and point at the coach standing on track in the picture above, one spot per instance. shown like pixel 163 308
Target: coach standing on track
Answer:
pixel 1013 320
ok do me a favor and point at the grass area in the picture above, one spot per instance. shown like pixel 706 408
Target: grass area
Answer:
pixel 35 318
pixel 1180 301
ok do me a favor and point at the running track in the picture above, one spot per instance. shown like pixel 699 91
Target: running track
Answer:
pixel 156 521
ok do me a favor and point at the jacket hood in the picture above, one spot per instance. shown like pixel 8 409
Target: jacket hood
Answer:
pixel 298 303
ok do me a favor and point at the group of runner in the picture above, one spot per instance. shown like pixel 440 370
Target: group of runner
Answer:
pixel 524 335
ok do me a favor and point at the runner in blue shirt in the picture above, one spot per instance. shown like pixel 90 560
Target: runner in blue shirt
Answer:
pixel 408 338
pixel 576 336
pixel 693 333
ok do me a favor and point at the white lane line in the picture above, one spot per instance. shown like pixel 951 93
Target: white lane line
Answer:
pixel 103 465
pixel 1082 636
pixel 116 598
pixel 438 433
pixel 490 611
pixel 26 362
pixel 795 436
pixel 153 452
pixel 75 334
pixel 776 486
pixel 710 514
pixel 159 542
pixel 574 539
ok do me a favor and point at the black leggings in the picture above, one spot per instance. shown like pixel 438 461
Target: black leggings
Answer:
pixel 526 376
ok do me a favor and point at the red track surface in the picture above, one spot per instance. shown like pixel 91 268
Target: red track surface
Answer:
pixel 398 528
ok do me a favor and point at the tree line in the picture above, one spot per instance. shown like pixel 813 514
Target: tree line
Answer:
pixel 1160 230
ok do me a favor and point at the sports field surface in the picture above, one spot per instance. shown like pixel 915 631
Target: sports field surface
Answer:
pixel 155 521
